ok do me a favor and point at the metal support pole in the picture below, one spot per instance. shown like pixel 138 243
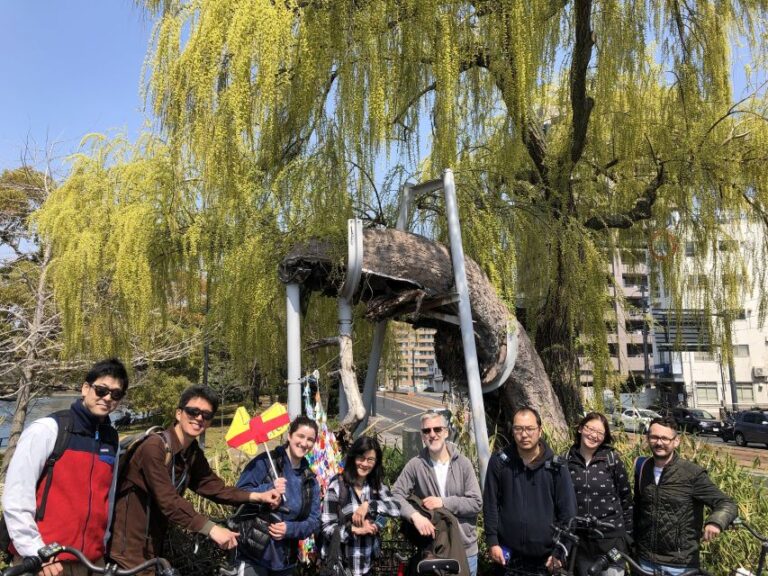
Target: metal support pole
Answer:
pixel 369 392
pixel 293 342
pixel 467 329
pixel 380 332
pixel 345 329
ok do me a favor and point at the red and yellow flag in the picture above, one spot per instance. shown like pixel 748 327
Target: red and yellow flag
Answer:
pixel 268 425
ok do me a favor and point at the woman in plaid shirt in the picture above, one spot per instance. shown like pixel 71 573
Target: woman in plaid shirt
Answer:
pixel 358 504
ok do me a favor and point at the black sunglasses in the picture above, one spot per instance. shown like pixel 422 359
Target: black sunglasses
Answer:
pixel 193 412
pixel 103 391
pixel 435 429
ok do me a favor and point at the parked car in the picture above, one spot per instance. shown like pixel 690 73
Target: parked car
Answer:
pixel 696 420
pixel 636 419
pixel 751 426
pixel 726 430
pixel 121 417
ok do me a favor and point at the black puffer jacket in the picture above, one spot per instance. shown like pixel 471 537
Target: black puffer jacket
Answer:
pixel 602 489
pixel 669 516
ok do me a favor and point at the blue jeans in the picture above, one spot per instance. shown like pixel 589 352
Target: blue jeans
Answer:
pixel 656 567
pixel 472 561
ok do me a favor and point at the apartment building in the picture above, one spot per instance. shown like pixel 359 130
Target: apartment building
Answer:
pixel 677 354
pixel 630 343
pixel 697 372
pixel 415 368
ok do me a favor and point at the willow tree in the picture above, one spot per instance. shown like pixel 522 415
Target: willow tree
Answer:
pixel 563 120
pixel 571 127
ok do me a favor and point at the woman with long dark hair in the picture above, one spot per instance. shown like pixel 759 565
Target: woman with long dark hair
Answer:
pixel 602 491
pixel 357 504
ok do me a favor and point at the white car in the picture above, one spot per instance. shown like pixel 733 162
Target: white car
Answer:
pixel 637 419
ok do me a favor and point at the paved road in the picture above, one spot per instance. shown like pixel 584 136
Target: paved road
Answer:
pixel 748 456
pixel 392 415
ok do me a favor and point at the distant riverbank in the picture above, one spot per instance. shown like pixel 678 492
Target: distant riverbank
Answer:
pixel 38 408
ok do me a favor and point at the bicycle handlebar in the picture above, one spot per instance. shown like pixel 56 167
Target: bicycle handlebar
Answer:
pixel 614 556
pixel 32 564
pixel 740 523
pixel 590 524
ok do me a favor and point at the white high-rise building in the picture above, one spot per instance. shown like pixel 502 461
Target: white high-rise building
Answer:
pixel 689 369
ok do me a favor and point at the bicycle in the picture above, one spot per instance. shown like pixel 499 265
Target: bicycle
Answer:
pixel 740 523
pixel 430 566
pixel 615 556
pixel 33 564
pixel 567 537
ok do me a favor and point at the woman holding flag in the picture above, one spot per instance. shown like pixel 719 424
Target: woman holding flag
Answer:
pixel 286 469
pixel 356 508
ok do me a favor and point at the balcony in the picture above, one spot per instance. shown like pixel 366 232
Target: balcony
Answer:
pixel 671 372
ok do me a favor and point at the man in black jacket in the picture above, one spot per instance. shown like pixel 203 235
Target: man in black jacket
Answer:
pixel 670 495
pixel 526 490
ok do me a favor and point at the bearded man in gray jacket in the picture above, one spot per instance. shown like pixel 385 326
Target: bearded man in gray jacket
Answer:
pixel 441 477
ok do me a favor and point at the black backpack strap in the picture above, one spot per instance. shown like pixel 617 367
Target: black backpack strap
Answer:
pixel 343 495
pixel 639 465
pixel 306 493
pixel 65 422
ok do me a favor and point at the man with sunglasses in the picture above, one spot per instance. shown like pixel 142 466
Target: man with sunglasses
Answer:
pixel 670 495
pixel 150 490
pixel 441 477
pixel 57 488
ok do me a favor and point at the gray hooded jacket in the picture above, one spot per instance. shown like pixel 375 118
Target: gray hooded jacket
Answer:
pixel 462 498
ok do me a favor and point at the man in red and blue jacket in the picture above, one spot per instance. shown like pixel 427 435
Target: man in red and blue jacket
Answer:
pixel 68 503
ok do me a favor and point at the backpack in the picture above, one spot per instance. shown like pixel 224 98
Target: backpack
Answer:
pixel 252 520
pixel 130 444
pixel 127 449
pixel 65 422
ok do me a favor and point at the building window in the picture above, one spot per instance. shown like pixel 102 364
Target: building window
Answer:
pixel 640 280
pixel 745 392
pixel 690 248
pixel 636 303
pixel 634 350
pixel 706 392
pixel 698 281
pixel 741 351
pixel 703 356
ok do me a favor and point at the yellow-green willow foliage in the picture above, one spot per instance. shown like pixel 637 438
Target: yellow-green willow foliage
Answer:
pixel 560 119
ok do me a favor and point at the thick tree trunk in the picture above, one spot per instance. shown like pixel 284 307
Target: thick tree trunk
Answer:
pixel 409 278
pixel 555 342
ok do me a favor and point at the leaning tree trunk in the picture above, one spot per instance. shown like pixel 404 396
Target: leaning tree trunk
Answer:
pixel 409 278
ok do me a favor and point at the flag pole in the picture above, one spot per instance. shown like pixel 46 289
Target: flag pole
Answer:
pixel 271 462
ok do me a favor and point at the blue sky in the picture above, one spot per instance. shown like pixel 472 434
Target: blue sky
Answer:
pixel 68 68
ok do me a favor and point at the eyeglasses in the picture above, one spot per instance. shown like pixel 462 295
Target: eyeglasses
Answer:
pixel 104 391
pixel 589 431
pixel 524 429
pixel 362 459
pixel 662 439
pixel 435 429
pixel 193 412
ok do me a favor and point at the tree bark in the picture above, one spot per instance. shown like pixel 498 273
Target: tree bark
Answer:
pixel 410 278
